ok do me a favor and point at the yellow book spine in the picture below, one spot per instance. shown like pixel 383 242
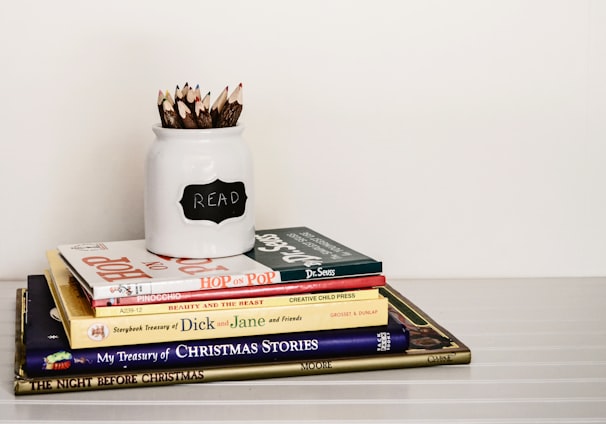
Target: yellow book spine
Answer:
pixel 254 302
pixel 137 329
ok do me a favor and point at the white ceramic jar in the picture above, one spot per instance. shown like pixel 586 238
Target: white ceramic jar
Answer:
pixel 199 194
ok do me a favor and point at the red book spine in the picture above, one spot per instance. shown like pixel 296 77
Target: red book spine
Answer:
pixel 247 291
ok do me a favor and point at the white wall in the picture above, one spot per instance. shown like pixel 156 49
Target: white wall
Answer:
pixel 447 138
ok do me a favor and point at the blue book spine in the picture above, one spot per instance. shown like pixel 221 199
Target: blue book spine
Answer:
pixel 48 352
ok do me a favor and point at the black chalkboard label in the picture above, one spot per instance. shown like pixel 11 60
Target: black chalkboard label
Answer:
pixel 216 201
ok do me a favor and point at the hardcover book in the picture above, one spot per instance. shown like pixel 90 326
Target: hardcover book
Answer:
pixel 47 350
pixel 430 345
pixel 84 330
pixel 125 268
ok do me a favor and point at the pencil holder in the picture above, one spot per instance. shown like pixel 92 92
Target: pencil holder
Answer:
pixel 199 194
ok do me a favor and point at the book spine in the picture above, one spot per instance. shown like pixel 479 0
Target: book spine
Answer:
pixel 258 302
pixel 151 288
pixel 128 330
pixel 28 386
pixel 348 283
pixel 271 348
pixel 332 271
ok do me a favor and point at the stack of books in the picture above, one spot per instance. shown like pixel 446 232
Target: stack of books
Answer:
pixel 113 315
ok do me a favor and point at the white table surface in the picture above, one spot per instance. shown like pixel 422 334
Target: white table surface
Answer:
pixel 538 356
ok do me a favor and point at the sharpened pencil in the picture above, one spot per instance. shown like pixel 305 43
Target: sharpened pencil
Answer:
pixel 202 113
pixel 190 99
pixel 189 110
pixel 161 99
pixel 186 115
pixel 169 98
pixel 178 95
pixel 231 110
pixel 217 107
pixel 170 115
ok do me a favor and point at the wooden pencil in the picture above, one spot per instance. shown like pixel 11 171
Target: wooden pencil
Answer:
pixel 178 96
pixel 202 112
pixel 161 99
pixel 231 110
pixel 169 99
pixel 170 115
pixel 217 107
pixel 186 115
pixel 189 110
pixel 190 99
pixel 185 89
